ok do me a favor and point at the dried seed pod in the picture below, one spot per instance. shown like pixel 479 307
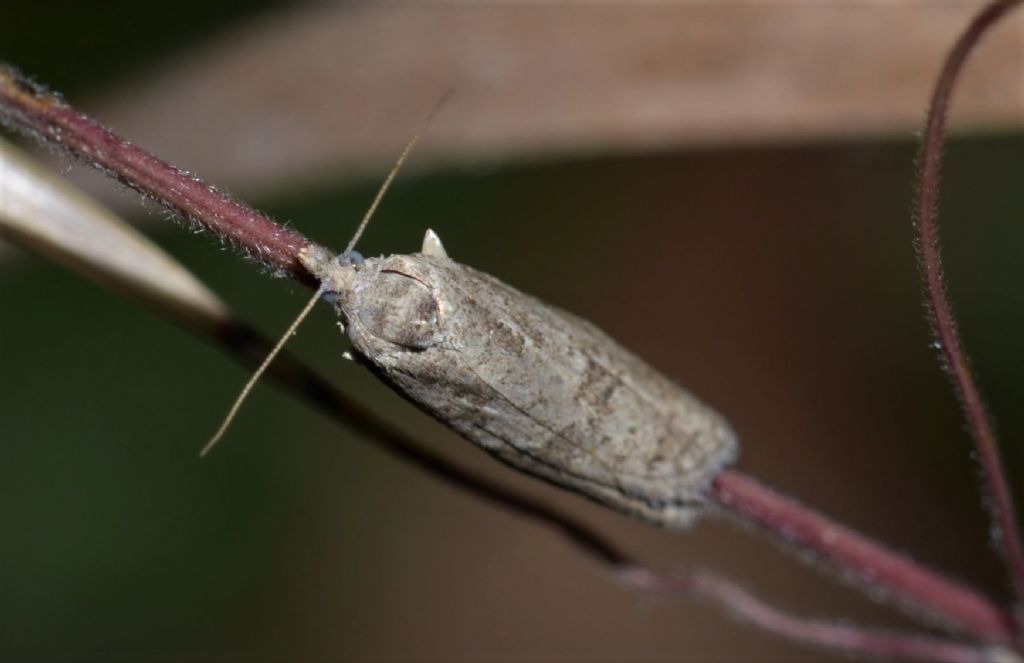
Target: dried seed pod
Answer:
pixel 541 389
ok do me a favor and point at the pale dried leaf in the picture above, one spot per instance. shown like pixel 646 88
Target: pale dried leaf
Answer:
pixel 40 210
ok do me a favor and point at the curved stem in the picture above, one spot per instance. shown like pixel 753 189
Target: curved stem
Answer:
pixel 853 640
pixel 1005 531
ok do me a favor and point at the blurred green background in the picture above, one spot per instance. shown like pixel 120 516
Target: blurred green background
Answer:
pixel 776 282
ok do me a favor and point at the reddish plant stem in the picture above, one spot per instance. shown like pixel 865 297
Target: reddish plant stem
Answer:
pixel 999 499
pixel 850 639
pixel 36 111
pixel 863 560
pixel 31 109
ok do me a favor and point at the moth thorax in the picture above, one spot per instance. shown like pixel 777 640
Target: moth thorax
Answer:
pixel 400 309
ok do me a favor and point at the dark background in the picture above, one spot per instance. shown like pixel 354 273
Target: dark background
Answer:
pixel 777 282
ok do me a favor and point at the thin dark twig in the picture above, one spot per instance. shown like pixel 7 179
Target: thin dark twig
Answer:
pixel 37 112
pixel 850 639
pixel 1005 531
pixel 299 379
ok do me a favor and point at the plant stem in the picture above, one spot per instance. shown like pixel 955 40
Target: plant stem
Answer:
pixel 864 561
pixel 999 499
pixel 853 640
pixel 33 110
pixel 36 111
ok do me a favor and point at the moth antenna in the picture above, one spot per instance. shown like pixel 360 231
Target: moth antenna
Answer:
pixel 320 291
pixel 394 170
pixel 260 371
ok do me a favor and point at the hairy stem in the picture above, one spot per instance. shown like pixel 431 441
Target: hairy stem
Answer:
pixel 29 108
pixel 864 561
pixel 999 499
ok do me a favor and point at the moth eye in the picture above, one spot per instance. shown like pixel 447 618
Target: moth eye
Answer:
pixel 401 310
pixel 352 258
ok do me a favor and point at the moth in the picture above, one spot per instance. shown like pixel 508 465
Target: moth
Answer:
pixel 538 388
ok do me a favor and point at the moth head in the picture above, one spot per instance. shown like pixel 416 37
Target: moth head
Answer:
pixel 391 301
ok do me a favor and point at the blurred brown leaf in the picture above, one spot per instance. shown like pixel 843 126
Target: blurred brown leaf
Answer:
pixel 322 92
